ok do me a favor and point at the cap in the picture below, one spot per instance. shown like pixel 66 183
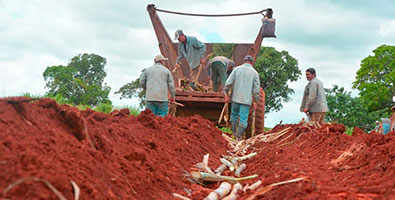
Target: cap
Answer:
pixel 159 58
pixel 178 34
pixel 248 58
pixel 231 63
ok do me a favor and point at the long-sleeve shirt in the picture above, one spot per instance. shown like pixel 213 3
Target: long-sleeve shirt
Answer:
pixel 245 82
pixel 192 51
pixel 157 81
pixel 314 97
pixel 226 61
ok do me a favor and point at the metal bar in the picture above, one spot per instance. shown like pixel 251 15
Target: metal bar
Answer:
pixel 166 45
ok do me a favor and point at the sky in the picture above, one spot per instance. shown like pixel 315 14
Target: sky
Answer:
pixel 333 36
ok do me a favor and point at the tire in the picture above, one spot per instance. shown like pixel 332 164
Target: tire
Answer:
pixel 259 117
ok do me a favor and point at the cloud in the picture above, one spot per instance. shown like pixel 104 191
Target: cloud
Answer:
pixel 387 28
pixel 332 36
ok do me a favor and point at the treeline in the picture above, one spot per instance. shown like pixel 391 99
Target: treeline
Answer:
pixel 81 83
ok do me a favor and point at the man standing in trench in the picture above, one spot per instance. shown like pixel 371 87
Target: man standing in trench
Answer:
pixel 193 51
pixel 219 66
pixel 157 81
pixel 244 83
pixel 314 101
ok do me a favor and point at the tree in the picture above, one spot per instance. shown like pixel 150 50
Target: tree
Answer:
pixel 348 110
pixel 133 90
pixel 275 70
pixel 376 78
pixel 80 82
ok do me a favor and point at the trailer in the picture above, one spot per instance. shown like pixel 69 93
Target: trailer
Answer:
pixel 207 104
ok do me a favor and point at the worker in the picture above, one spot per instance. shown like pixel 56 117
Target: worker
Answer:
pixel 314 101
pixel 244 84
pixel 158 81
pixel 218 67
pixel 193 51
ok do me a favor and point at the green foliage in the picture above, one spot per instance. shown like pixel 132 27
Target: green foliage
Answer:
pixel 349 130
pixel 58 98
pixel 104 108
pixel 80 82
pixel 350 111
pixel 275 70
pixel 376 79
pixel 223 49
pixel 83 107
pixel 28 94
pixel 226 129
pixel 133 90
pixel 134 111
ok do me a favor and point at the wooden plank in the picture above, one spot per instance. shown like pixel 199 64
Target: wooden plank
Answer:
pixel 199 94
pixel 199 99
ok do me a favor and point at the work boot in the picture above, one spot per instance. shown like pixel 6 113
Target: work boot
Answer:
pixel 240 133
pixel 234 126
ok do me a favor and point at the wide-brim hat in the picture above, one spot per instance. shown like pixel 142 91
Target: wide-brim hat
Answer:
pixel 159 58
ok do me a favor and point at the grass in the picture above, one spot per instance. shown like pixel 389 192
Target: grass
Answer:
pixel 132 110
pixel 229 130
pixel 103 108
pixel 349 130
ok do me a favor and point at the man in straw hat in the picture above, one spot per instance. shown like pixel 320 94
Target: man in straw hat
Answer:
pixel 158 81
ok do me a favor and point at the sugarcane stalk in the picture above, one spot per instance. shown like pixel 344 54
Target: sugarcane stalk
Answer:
pixel 220 169
pixel 220 192
pixel 246 156
pixel 203 176
pixel 240 168
pixel 253 186
pixel 227 163
pixel 233 193
pixel 180 196
pixel 222 112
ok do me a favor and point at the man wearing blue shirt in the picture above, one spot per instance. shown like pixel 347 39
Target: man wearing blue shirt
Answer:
pixel 244 83
pixel 193 51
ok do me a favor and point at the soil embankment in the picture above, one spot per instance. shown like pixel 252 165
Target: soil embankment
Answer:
pixel 117 156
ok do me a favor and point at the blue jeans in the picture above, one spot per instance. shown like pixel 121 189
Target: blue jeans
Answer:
pixel 158 107
pixel 240 111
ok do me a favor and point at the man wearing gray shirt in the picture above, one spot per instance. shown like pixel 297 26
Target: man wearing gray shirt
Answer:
pixel 193 51
pixel 157 81
pixel 244 83
pixel 314 101
pixel 218 67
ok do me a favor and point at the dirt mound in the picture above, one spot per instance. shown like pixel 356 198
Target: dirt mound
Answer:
pixel 117 156
pixel 109 156
pixel 335 165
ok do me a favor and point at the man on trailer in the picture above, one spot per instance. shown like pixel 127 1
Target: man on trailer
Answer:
pixel 193 51
pixel 219 66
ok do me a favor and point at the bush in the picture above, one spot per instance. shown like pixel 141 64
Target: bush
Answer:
pixel 104 108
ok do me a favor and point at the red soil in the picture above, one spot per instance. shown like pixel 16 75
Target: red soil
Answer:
pixel 117 156
pixel 367 173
